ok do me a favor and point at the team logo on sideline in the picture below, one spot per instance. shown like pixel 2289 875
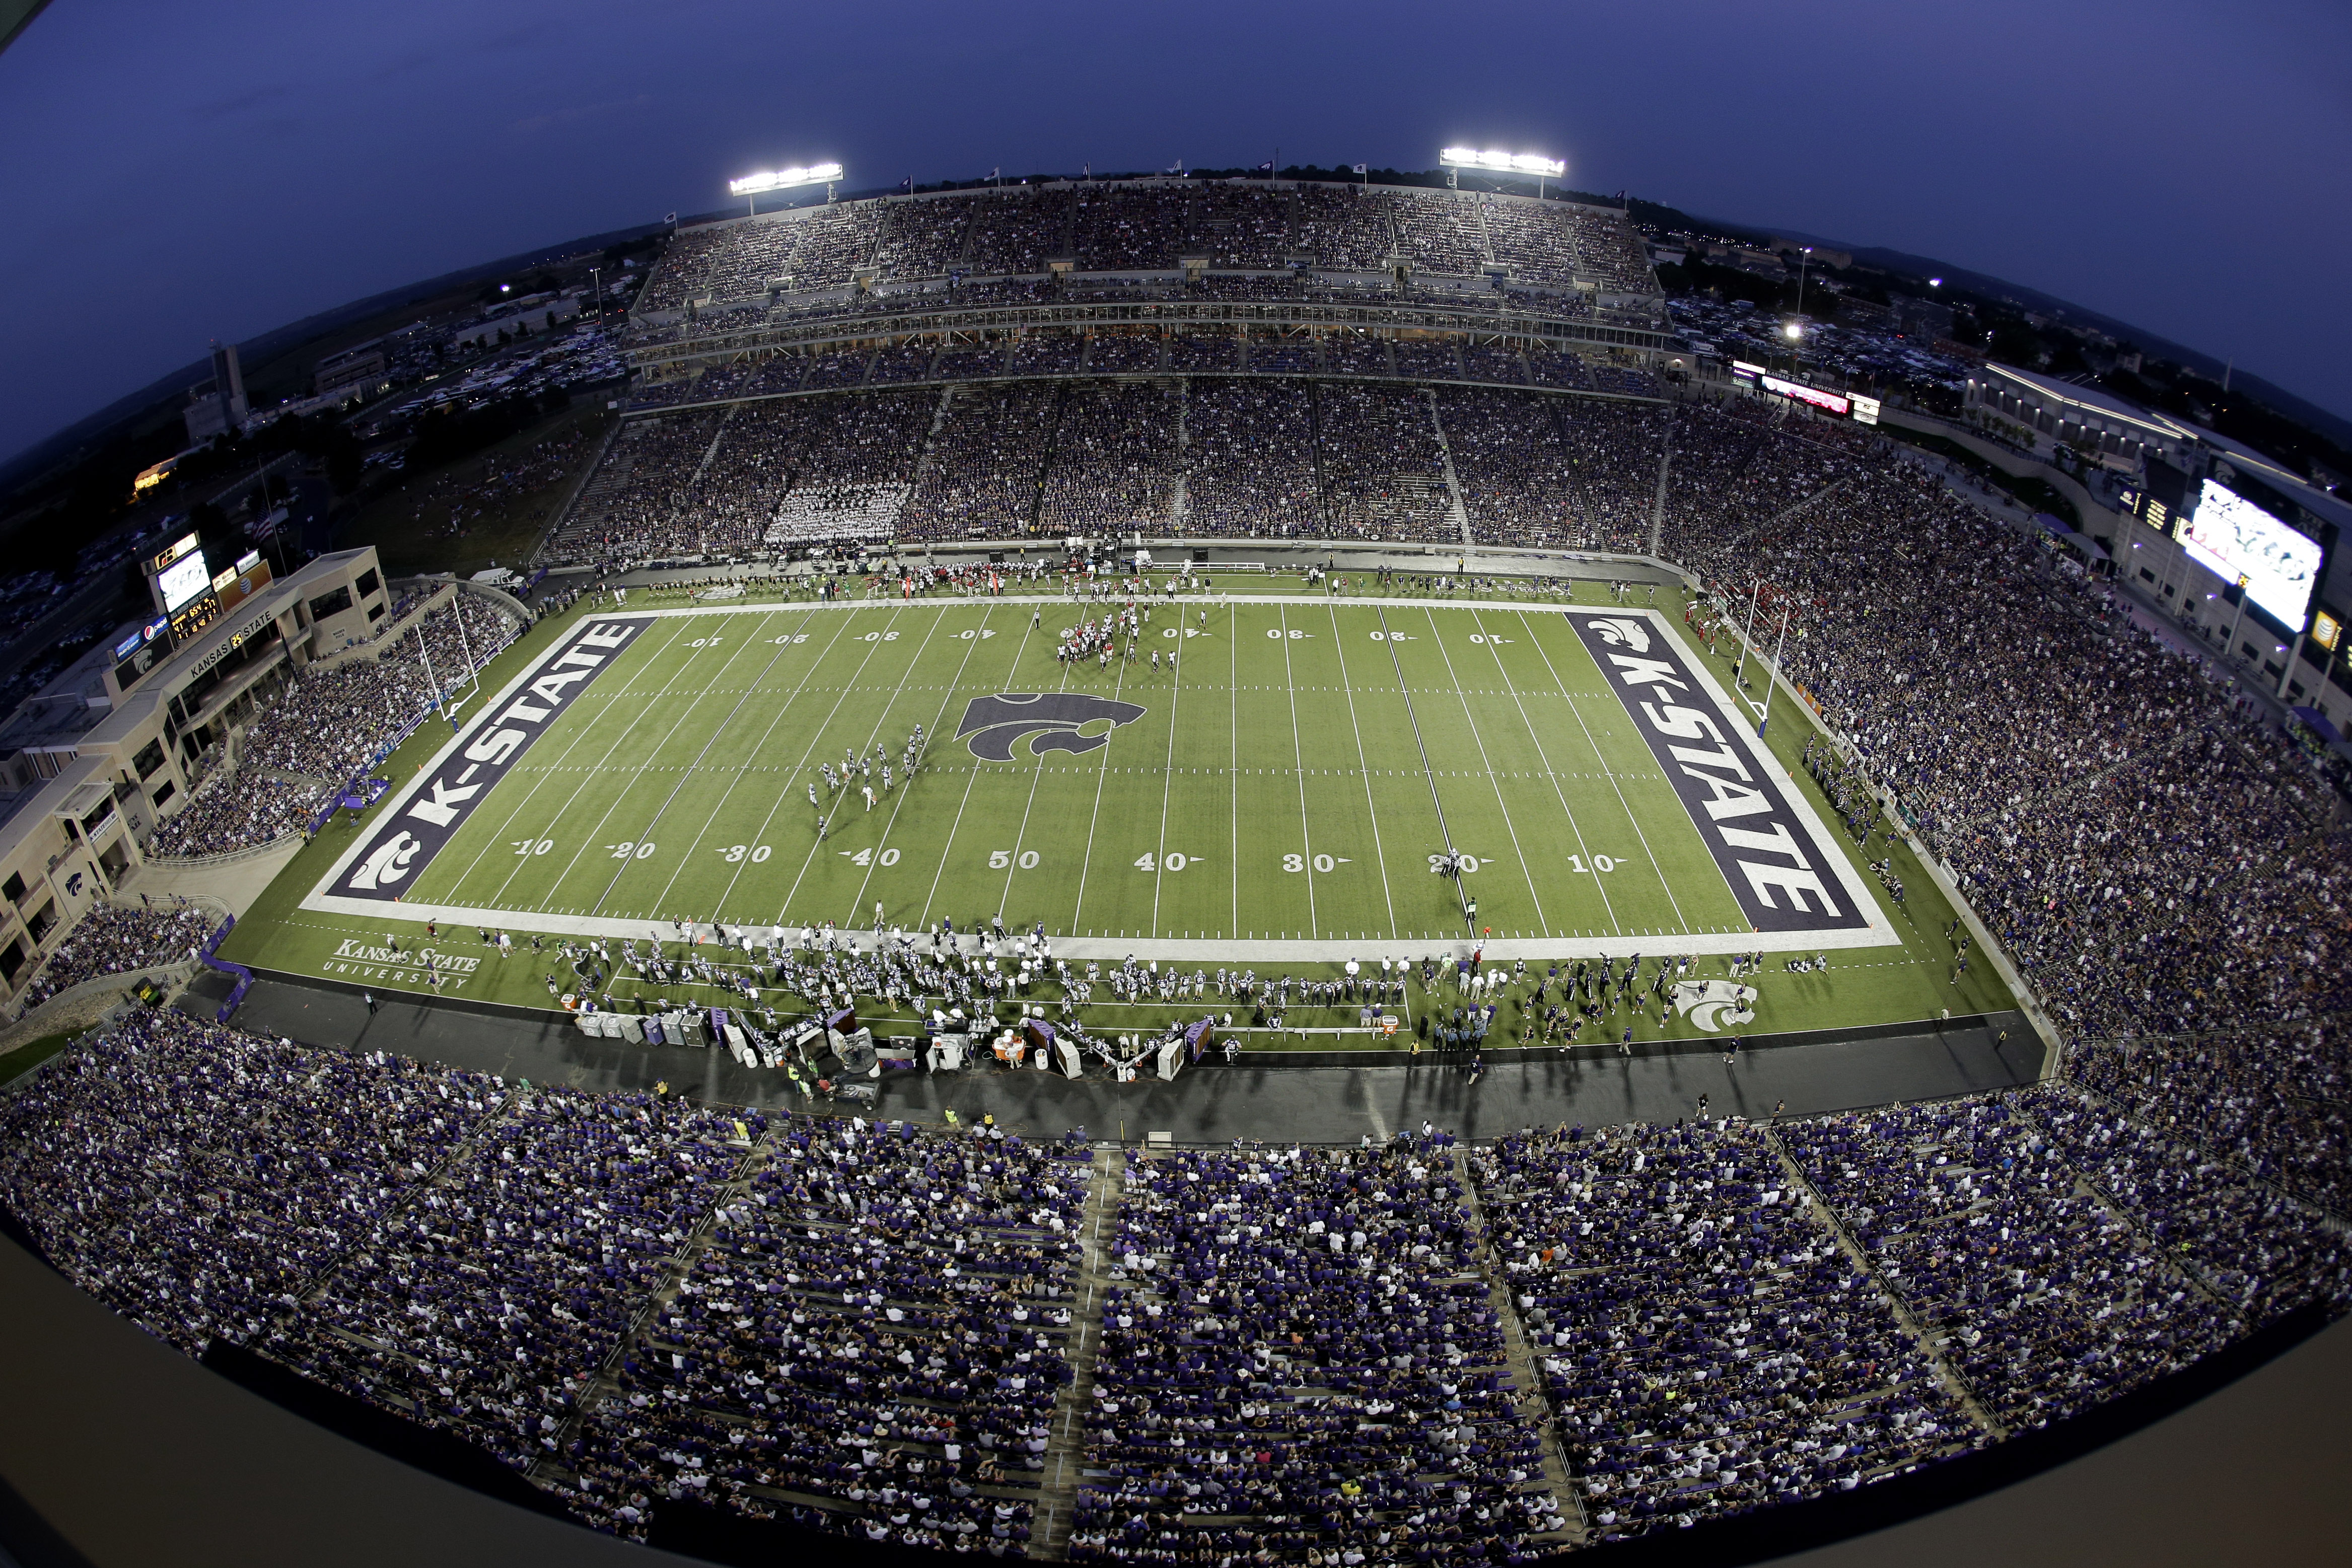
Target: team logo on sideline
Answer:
pixel 1052 721
pixel 1618 632
pixel 1711 1004
pixel 388 864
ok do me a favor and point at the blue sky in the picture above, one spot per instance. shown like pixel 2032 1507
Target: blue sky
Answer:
pixel 175 173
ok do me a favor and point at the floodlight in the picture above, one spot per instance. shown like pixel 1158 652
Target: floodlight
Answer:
pixel 784 180
pixel 1794 330
pixel 1533 164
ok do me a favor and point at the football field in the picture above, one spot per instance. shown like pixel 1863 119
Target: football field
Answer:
pixel 1283 783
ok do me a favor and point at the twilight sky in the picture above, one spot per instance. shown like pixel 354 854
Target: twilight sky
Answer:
pixel 173 173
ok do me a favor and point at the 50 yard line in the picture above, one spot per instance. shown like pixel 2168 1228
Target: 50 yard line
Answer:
pixel 970 779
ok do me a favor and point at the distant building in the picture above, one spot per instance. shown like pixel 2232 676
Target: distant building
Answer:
pixel 218 405
pixel 360 371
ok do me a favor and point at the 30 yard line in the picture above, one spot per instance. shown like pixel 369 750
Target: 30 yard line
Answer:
pixel 1363 765
pixel 816 840
pixel 1611 774
pixel 1504 806
pixel 777 802
pixel 1299 756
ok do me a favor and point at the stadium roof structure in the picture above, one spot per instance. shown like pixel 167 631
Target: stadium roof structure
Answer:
pixel 2092 400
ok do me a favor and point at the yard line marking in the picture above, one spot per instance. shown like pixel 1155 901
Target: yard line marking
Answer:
pixel 650 666
pixel 1021 834
pixel 1598 883
pixel 1233 767
pixel 1477 740
pixel 1307 861
pixel 687 772
pixel 1611 775
pixel 1405 689
pixel 816 841
pixel 971 778
pixel 597 831
pixel 1087 861
pixel 1167 787
pixel 971 646
pixel 776 802
pixel 1346 684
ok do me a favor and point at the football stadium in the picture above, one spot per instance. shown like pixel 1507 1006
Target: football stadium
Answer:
pixel 1206 870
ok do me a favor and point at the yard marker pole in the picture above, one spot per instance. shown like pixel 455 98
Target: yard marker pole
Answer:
pixel 1749 635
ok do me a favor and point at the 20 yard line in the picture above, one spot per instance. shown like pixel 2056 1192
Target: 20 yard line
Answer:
pixel 596 832
pixel 1504 806
pixel 587 728
pixel 655 820
pixel 1363 765
pixel 1583 854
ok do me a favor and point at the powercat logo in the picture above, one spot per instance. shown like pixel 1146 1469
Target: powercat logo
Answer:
pixel 407 838
pixel 1761 835
pixel 1049 720
pixel 1713 1003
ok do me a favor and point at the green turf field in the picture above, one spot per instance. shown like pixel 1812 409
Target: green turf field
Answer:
pixel 1275 798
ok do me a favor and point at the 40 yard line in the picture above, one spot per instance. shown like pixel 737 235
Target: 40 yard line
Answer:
pixel 777 802
pixel 891 825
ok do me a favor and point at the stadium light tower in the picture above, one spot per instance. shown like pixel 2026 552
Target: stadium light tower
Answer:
pixel 1536 164
pixel 754 186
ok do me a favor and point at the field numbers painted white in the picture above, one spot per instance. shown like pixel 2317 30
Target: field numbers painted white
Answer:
pixel 1278 633
pixel 706 642
pixel 789 639
pixel 1469 862
pixel 626 851
pixel 981 633
pixel 736 854
pixel 889 857
pixel 1600 863
pixel 533 846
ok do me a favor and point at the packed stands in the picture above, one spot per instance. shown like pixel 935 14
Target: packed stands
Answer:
pixel 328 723
pixel 118 938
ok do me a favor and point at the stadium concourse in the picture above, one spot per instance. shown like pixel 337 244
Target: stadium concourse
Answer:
pixel 1374 1315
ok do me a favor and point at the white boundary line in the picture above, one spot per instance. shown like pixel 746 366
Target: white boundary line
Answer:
pixel 1878 932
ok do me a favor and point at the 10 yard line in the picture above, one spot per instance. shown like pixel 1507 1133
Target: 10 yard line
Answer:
pixel 523 802
pixel 1609 772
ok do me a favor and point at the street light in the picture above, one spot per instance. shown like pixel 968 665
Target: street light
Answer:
pixel 754 186
pixel 1498 162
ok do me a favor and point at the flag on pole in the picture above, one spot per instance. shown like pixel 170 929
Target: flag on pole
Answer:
pixel 1361 170
pixel 907 186
pixel 1266 167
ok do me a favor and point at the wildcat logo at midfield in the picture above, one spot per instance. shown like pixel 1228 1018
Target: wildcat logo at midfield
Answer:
pixel 1053 721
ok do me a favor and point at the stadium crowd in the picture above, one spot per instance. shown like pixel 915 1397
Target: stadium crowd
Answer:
pixel 118 938
pixel 326 724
